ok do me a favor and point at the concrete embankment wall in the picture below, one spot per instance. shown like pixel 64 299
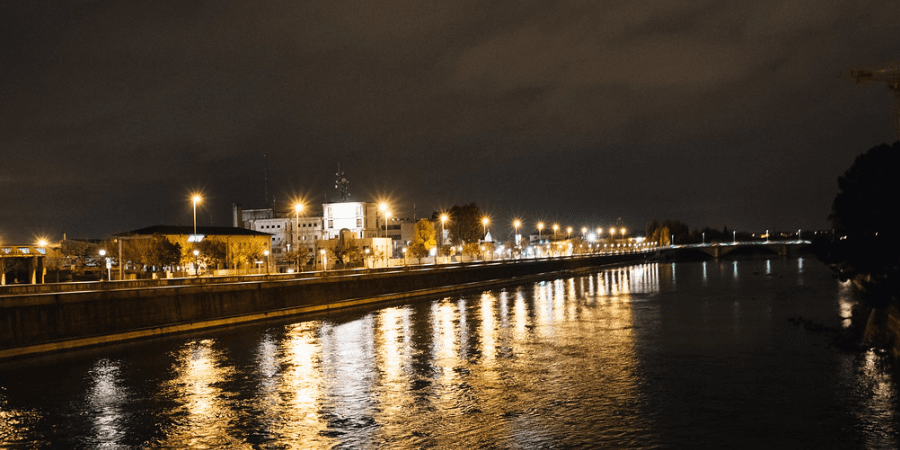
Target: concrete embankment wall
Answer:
pixel 49 322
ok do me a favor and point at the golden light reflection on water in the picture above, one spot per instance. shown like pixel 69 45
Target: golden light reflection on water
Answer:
pixel 846 302
pixel 488 330
pixel 106 398
pixel 551 364
pixel 297 397
pixel 203 417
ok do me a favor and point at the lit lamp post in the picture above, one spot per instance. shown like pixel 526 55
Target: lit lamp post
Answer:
pixel 555 228
pixel 516 224
pixel 106 260
pixel 484 222
pixel 441 238
pixel 568 232
pixel 540 228
pixel 383 208
pixel 266 255
pixel 195 199
pixel 297 208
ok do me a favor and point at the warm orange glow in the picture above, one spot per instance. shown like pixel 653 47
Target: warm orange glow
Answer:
pixel 196 199
pixel 540 225
pixel 298 207
pixel 484 220
pixel 382 207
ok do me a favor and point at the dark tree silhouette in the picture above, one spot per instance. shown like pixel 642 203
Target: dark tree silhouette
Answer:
pixel 867 245
pixel 465 224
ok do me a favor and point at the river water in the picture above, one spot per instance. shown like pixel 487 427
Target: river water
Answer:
pixel 685 355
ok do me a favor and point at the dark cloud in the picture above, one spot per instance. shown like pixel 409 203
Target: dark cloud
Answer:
pixel 708 112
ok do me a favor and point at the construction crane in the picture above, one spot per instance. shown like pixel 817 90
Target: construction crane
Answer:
pixel 890 75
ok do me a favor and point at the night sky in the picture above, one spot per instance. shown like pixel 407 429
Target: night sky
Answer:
pixel 737 114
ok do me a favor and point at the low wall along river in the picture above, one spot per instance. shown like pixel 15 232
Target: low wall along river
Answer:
pixel 46 322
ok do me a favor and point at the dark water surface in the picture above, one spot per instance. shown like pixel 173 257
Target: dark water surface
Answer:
pixel 687 355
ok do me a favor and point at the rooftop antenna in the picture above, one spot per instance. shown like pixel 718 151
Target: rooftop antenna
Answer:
pixel 342 184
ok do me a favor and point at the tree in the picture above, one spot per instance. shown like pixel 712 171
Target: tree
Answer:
pixel 863 215
pixel 869 189
pixel 424 239
pixel 212 252
pixel 662 232
pixel 347 250
pixel 465 224
pixel 151 253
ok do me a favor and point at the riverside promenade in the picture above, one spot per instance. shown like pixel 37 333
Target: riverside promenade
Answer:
pixel 55 317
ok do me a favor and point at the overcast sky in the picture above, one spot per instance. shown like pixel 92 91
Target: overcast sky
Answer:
pixel 715 113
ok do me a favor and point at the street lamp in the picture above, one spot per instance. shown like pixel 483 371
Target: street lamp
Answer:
pixel 297 208
pixel 484 222
pixel 195 199
pixel 105 259
pixel 540 228
pixel 516 224
pixel 444 218
pixel 383 208
pixel 266 254
pixel 555 227
pixel 568 232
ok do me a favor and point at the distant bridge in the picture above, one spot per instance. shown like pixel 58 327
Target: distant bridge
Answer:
pixel 719 249
pixel 27 257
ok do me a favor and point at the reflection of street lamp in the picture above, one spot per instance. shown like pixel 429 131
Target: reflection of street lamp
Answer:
pixel 197 265
pixel 195 199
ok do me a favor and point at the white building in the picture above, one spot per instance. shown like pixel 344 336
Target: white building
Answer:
pixel 287 229
pixel 360 218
